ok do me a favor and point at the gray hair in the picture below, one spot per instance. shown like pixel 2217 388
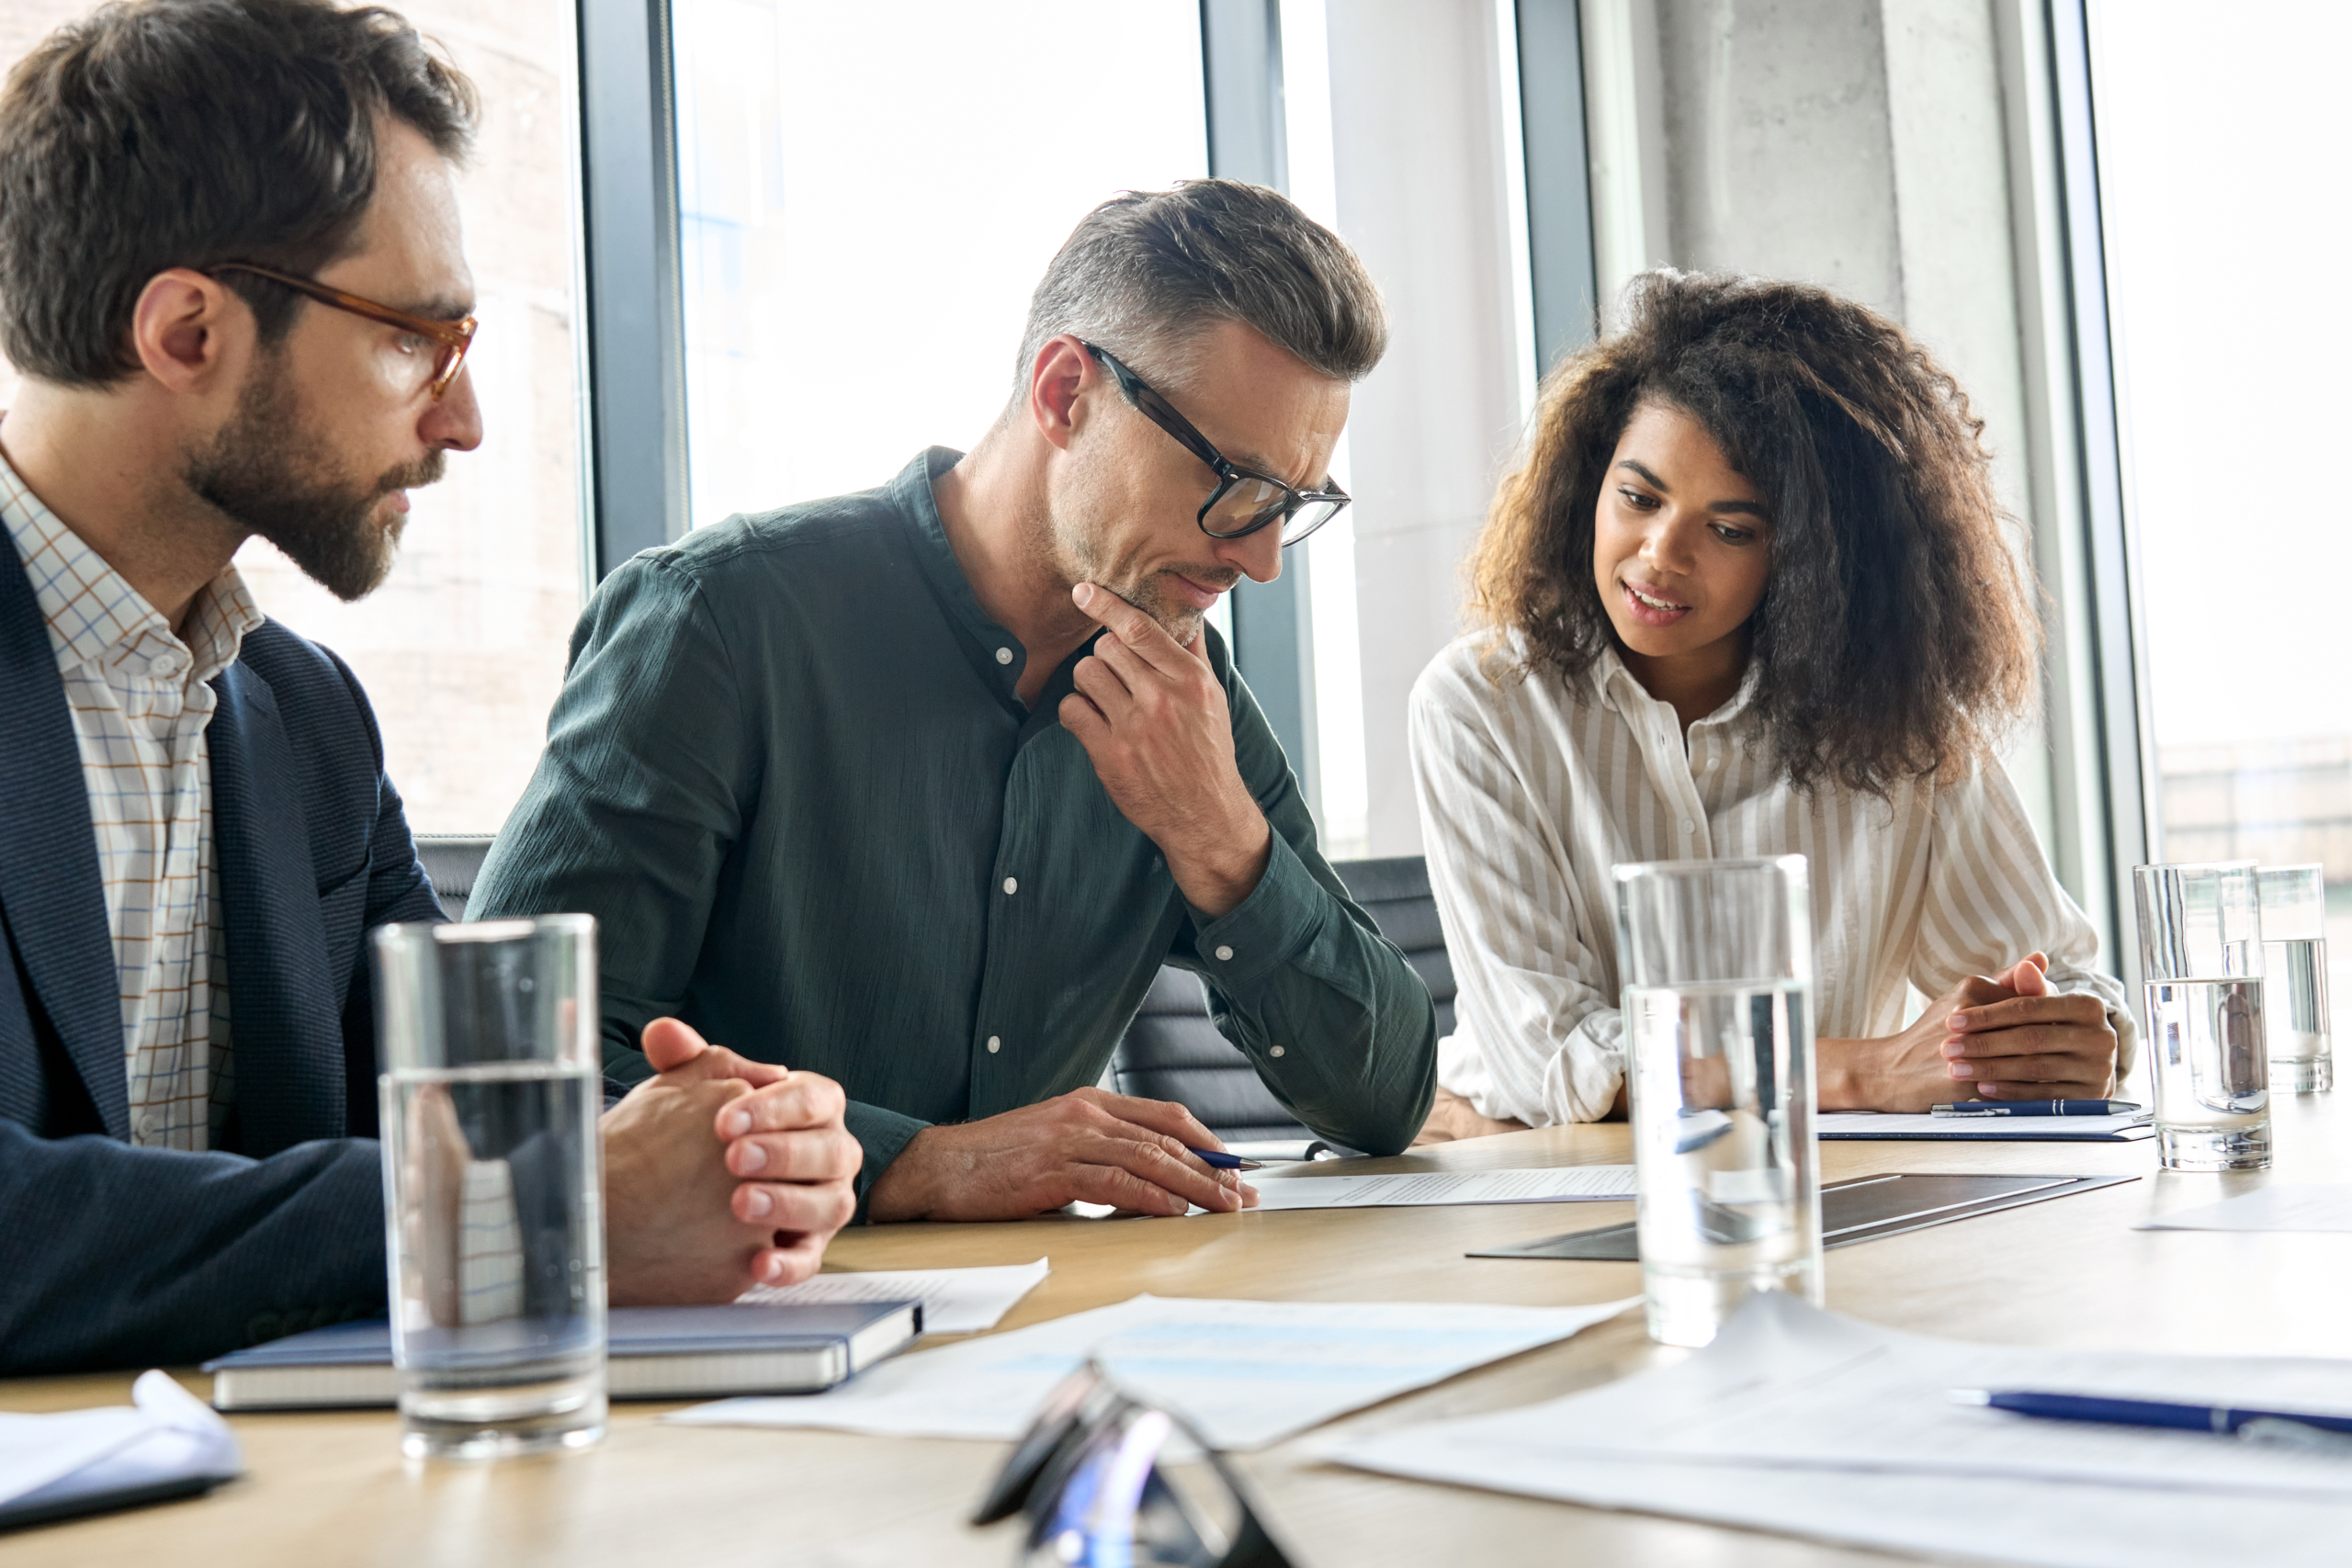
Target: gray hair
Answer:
pixel 1147 272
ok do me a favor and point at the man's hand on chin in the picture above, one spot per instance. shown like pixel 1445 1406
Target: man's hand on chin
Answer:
pixel 681 1223
pixel 1154 722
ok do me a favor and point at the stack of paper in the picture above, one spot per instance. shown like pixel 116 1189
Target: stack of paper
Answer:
pixel 1802 1421
pixel 1246 1374
pixel 165 1445
pixel 955 1301
pixel 2289 1206
pixel 1553 1184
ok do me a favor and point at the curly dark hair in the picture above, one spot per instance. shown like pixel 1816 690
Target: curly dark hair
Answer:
pixel 1896 637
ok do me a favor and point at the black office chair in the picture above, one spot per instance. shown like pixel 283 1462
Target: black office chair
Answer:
pixel 453 861
pixel 1171 1051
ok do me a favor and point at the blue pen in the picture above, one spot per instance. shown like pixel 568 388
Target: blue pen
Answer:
pixel 2036 1108
pixel 2219 1418
pixel 1224 1161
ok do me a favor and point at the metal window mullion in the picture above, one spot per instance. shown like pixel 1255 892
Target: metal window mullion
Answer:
pixel 636 404
pixel 2120 682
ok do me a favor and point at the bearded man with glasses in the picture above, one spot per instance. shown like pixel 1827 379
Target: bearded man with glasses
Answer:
pixel 231 277
pixel 921 788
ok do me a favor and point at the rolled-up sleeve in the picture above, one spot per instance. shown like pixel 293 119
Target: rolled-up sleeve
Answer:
pixel 1335 1021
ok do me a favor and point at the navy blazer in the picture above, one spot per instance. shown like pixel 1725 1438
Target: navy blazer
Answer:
pixel 112 1255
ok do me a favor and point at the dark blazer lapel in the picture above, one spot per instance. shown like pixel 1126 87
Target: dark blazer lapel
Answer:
pixel 51 888
pixel 285 1009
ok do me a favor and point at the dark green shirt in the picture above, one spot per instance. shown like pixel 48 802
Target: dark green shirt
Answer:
pixel 789 777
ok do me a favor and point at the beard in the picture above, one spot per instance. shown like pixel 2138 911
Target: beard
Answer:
pixel 270 471
pixel 1079 538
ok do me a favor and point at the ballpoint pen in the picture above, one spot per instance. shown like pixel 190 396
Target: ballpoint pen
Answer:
pixel 2036 1108
pixel 1223 1161
pixel 2225 1420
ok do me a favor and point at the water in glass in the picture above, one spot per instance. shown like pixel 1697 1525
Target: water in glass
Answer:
pixel 2211 1053
pixel 498 1258
pixel 1722 1082
pixel 2296 976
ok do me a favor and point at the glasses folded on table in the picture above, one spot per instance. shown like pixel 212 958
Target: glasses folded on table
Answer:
pixel 1099 1491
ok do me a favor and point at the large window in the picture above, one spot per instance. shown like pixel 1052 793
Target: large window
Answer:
pixel 868 193
pixel 462 649
pixel 2219 133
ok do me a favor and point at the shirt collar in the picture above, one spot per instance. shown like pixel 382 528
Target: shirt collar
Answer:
pixel 1618 689
pixel 94 615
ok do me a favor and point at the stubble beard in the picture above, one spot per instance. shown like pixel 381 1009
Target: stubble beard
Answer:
pixel 270 471
pixel 1072 537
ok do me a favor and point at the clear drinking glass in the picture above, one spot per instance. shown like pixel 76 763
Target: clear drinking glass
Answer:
pixel 493 1223
pixel 2200 958
pixel 1716 961
pixel 2294 971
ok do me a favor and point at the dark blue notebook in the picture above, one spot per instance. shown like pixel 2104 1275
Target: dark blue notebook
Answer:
pixel 693 1352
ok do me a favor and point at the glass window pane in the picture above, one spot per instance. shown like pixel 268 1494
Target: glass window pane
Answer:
pixel 868 193
pixel 2219 133
pixel 461 650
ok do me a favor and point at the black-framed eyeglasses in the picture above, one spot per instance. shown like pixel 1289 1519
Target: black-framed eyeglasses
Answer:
pixel 1243 501
pixel 1088 1475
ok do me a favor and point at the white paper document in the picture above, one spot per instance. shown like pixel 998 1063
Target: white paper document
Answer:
pixel 2021 1129
pixel 2290 1206
pixel 1247 1373
pixel 1799 1420
pixel 955 1301
pixel 1554 1184
pixel 166 1435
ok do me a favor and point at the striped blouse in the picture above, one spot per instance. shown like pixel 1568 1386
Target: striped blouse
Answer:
pixel 1532 788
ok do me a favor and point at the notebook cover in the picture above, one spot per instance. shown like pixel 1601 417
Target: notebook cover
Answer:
pixel 693 1341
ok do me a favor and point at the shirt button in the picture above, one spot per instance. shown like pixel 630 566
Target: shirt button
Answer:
pixel 1004 656
pixel 1011 885
pixel 1689 825
pixel 1275 1052
pixel 1225 955
pixel 164 664
pixel 995 1044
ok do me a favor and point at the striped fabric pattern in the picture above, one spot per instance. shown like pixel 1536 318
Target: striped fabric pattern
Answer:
pixel 140 706
pixel 1532 788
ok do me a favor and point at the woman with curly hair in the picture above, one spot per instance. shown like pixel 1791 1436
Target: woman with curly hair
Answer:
pixel 1748 595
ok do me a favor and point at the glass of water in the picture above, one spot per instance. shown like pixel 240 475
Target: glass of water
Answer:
pixel 2202 964
pixel 2294 971
pixel 1716 962
pixel 493 1223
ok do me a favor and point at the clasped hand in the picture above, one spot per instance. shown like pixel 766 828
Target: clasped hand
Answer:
pixel 721 1173
pixel 2002 1036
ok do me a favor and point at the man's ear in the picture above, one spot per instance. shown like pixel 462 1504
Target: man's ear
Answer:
pixel 1056 377
pixel 187 328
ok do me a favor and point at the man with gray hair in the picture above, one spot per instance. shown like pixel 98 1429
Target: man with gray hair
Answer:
pixel 920 787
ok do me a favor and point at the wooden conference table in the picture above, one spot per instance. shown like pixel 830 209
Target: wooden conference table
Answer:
pixel 331 1487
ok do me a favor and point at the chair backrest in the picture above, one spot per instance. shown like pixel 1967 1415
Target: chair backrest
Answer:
pixel 453 863
pixel 1171 1051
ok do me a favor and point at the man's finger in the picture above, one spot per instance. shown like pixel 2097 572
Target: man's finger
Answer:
pixel 1083 719
pixel 2073 1089
pixel 1103 685
pixel 782 1266
pixel 1151 1162
pixel 2083 1011
pixel 820 1209
pixel 1132 626
pixel 2042 1069
pixel 676 1050
pixel 826 1153
pixel 1157 1115
pixel 796 1099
